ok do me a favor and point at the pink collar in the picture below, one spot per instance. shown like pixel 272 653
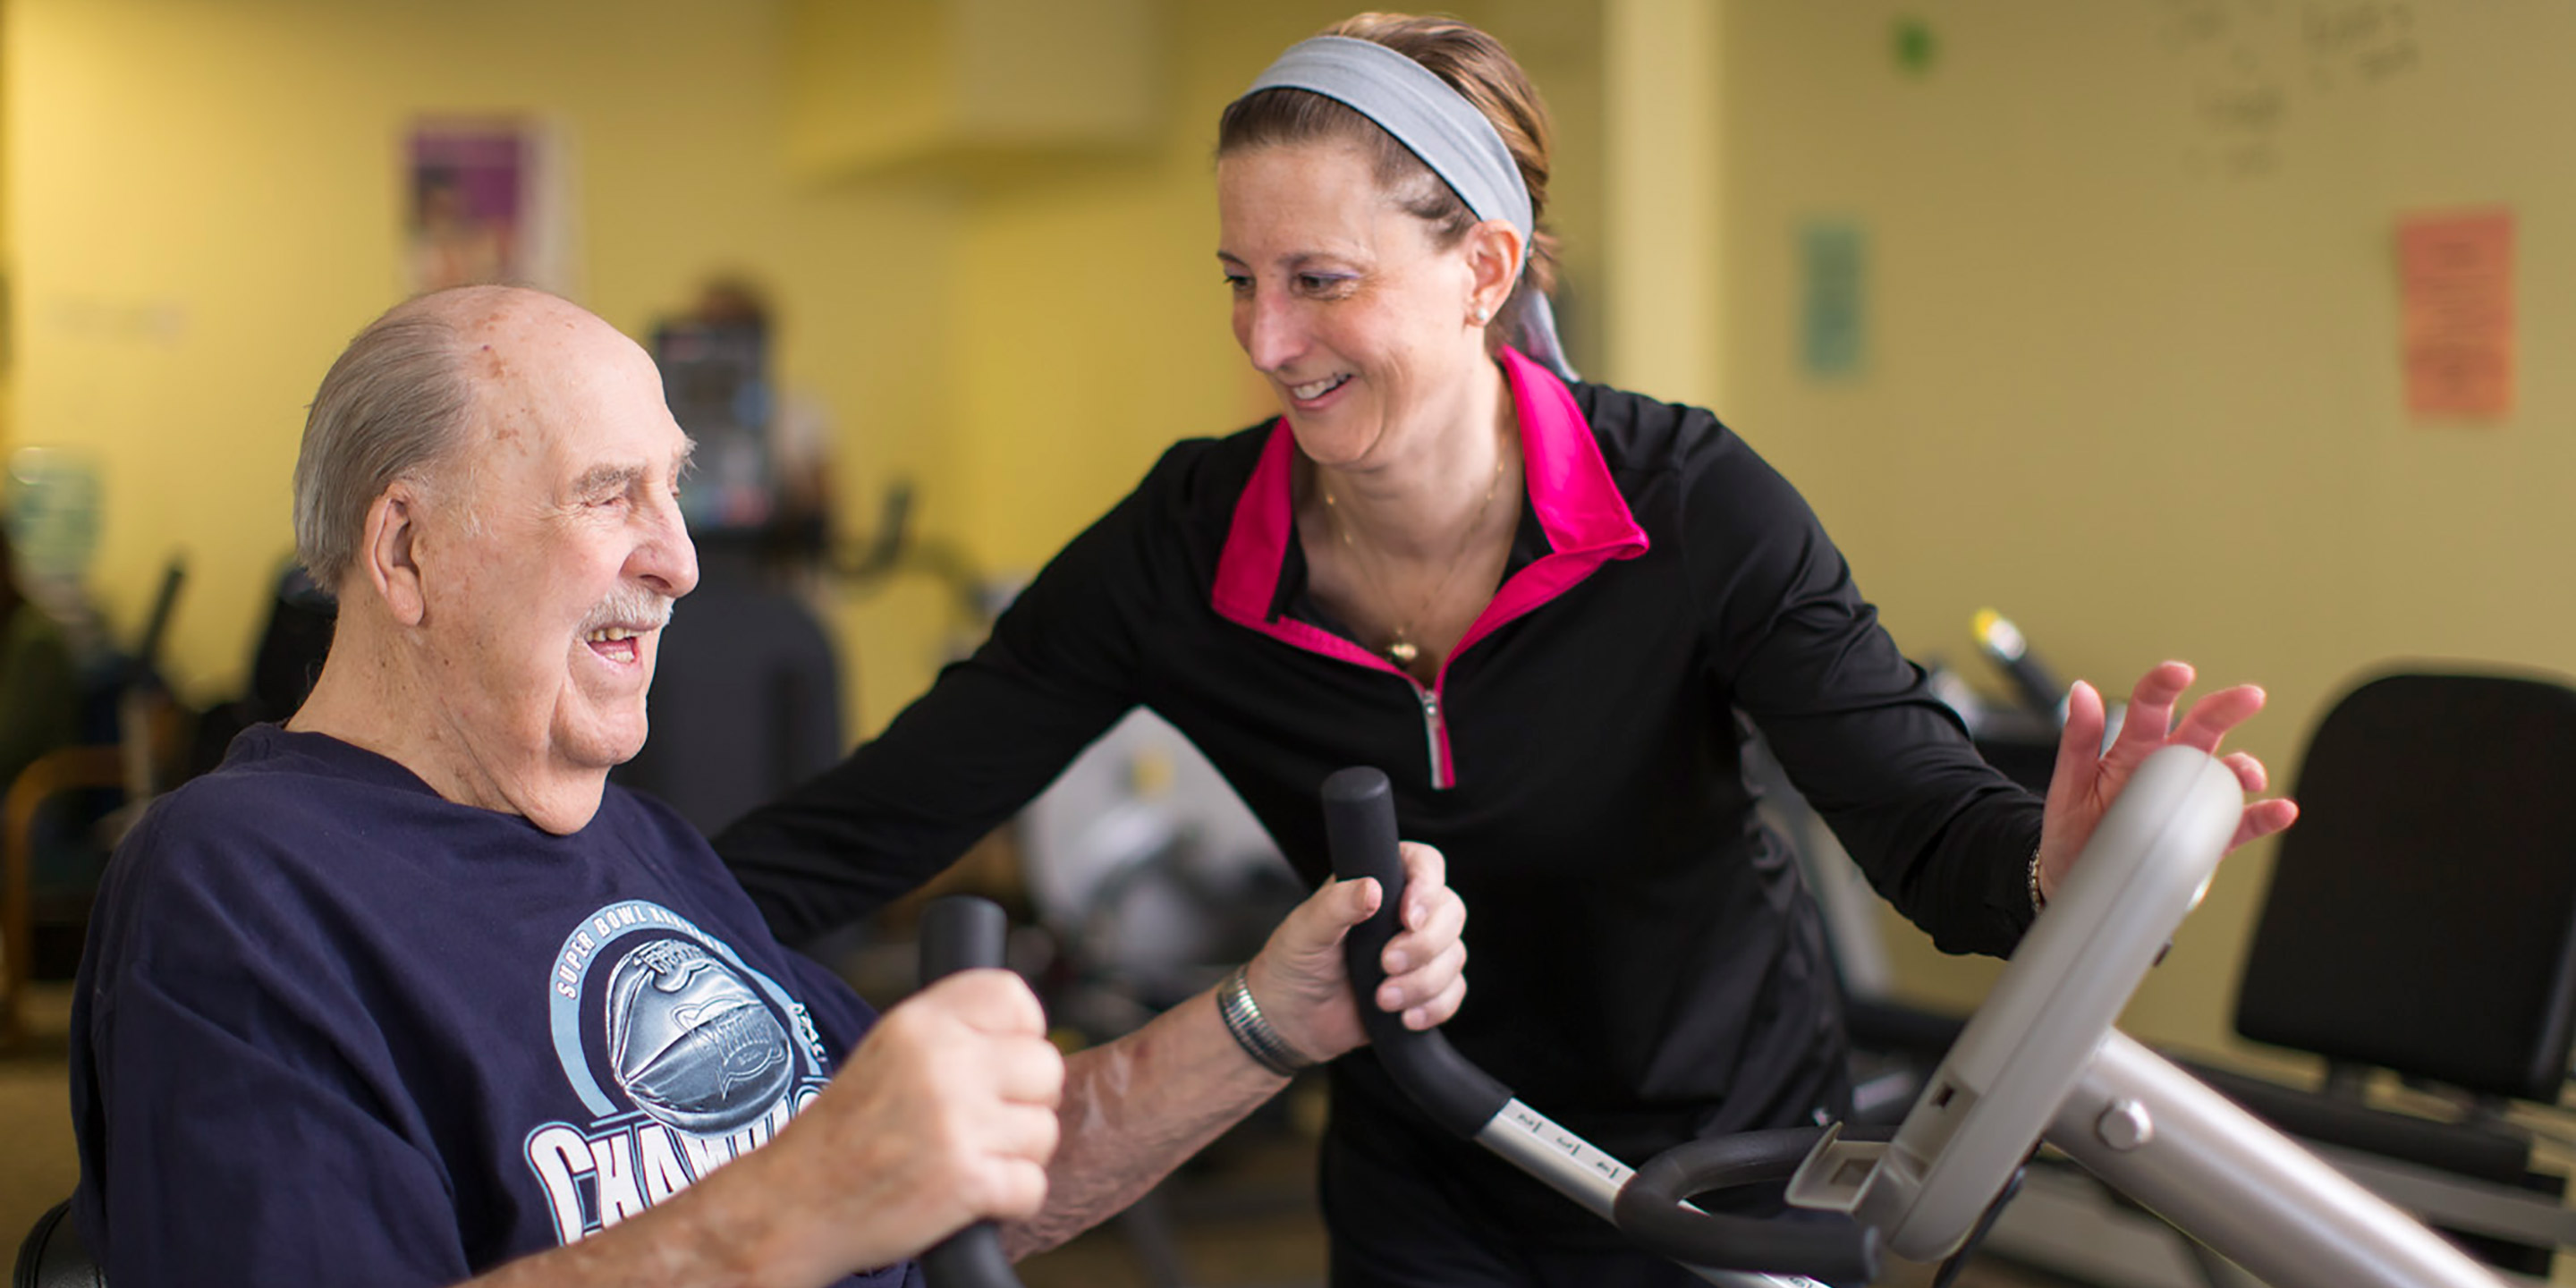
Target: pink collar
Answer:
pixel 1586 520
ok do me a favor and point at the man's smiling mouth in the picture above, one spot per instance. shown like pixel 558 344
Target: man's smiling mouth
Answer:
pixel 616 643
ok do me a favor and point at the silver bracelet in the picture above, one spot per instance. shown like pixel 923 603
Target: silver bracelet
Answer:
pixel 1253 1033
pixel 2038 901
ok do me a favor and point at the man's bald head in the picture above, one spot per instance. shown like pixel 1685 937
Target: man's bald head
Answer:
pixel 492 477
pixel 398 404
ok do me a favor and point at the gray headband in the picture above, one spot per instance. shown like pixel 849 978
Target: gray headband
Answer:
pixel 1437 124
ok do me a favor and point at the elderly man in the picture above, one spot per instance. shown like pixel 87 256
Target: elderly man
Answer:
pixel 404 993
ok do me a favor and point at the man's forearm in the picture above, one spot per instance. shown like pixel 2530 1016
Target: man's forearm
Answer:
pixel 689 1240
pixel 736 1229
pixel 1135 1108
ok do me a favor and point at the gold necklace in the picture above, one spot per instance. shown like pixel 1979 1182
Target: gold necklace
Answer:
pixel 1401 649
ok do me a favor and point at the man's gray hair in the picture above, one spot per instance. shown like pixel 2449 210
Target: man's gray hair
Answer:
pixel 396 405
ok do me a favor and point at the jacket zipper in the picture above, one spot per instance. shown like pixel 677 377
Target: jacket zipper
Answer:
pixel 1434 731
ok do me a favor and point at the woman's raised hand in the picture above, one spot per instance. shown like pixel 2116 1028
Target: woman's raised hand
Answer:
pixel 2090 776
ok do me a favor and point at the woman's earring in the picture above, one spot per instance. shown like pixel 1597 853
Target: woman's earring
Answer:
pixel 1483 315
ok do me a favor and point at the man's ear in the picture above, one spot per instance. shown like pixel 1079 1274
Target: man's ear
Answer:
pixel 388 557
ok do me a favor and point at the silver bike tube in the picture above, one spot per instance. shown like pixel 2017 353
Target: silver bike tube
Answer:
pixel 2228 1179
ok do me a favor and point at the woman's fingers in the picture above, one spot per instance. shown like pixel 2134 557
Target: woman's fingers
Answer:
pixel 2250 774
pixel 2211 718
pixel 2079 745
pixel 2087 777
pixel 2263 818
pixel 2151 712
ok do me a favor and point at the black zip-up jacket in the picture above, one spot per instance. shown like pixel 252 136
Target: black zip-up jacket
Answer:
pixel 1644 962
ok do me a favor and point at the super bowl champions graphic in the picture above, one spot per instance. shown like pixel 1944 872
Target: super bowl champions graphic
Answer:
pixel 685 1057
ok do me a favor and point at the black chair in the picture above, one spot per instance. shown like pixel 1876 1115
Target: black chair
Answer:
pixel 53 1255
pixel 62 813
pixel 2422 920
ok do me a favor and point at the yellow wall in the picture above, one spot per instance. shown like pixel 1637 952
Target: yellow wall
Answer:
pixel 1093 324
pixel 203 200
pixel 2142 400
pixel 8 245
pixel 204 205
pixel 1662 144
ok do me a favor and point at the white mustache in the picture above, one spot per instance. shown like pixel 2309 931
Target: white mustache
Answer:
pixel 632 607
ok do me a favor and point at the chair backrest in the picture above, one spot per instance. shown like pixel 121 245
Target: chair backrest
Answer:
pixel 53 1255
pixel 2422 915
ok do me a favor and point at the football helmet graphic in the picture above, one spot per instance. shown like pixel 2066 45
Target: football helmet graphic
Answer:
pixel 691 1041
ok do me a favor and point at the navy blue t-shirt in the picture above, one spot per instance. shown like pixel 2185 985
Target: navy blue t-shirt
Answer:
pixel 332 1028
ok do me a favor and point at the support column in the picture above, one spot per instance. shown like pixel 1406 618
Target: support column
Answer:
pixel 1663 322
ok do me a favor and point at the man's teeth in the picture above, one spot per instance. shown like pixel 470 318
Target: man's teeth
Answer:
pixel 1319 388
pixel 610 635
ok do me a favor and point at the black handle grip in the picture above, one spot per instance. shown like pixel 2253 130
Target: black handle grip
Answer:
pixel 1649 1211
pixel 962 932
pixel 1359 829
pixel 971 1258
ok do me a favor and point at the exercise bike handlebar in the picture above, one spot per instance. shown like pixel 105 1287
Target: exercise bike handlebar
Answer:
pixel 958 933
pixel 1651 1205
pixel 1359 829
pixel 1654 1211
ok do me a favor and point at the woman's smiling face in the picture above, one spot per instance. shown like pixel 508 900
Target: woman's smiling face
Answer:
pixel 1343 300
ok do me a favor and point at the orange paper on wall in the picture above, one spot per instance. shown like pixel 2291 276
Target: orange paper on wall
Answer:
pixel 2457 278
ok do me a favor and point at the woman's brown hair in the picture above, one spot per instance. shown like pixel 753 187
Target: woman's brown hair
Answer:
pixel 1475 65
